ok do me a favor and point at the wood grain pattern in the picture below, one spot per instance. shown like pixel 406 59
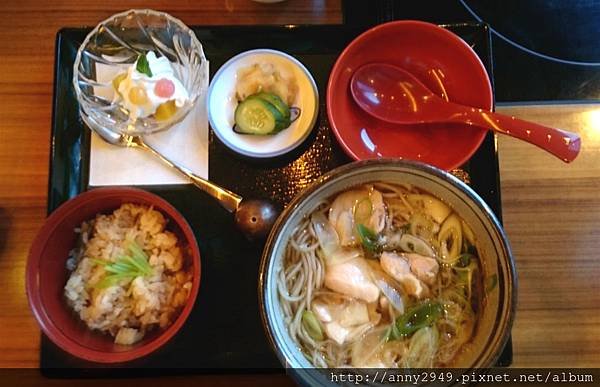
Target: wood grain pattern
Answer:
pixel 27 34
pixel 551 214
pixel 551 210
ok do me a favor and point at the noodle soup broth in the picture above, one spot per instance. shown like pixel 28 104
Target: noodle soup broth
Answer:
pixel 387 263
pixel 381 275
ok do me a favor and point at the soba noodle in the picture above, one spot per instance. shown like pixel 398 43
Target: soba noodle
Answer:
pixel 382 275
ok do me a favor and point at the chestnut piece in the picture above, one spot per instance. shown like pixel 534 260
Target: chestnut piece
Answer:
pixel 255 218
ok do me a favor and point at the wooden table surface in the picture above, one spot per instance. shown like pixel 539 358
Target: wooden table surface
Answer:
pixel 551 210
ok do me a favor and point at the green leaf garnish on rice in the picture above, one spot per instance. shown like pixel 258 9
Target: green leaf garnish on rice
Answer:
pixel 127 267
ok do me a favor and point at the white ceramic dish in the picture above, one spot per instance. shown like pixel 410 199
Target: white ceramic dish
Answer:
pixel 222 103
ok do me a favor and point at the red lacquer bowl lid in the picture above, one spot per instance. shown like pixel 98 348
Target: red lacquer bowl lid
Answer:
pixel 443 62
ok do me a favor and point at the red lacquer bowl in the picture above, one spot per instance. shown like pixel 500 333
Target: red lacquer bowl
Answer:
pixel 443 62
pixel 46 275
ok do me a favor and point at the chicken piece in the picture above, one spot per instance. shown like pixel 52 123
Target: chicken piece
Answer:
pixel 152 222
pixel 172 258
pixel 399 268
pixel 355 313
pixel 336 332
pixel 353 279
pixel 425 268
pixel 345 319
pixel 347 313
pixel 341 334
pixel 364 206
pixel 164 240
pixel 323 311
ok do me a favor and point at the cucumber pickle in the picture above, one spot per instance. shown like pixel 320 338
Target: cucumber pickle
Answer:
pixel 261 114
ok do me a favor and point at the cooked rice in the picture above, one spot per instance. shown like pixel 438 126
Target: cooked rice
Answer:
pixel 132 307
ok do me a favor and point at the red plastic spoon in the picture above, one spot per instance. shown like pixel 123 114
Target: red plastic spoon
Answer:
pixel 392 94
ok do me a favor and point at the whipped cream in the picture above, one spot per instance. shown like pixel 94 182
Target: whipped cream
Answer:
pixel 161 70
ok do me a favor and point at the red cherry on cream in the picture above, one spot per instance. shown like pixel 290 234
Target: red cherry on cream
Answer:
pixel 164 88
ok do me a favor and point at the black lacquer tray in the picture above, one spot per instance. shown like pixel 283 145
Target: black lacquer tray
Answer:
pixel 223 333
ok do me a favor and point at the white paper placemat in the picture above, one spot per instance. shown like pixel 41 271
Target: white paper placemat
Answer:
pixel 185 143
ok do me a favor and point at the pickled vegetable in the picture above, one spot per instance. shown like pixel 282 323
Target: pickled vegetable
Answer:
pixel 257 116
pixel 274 100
